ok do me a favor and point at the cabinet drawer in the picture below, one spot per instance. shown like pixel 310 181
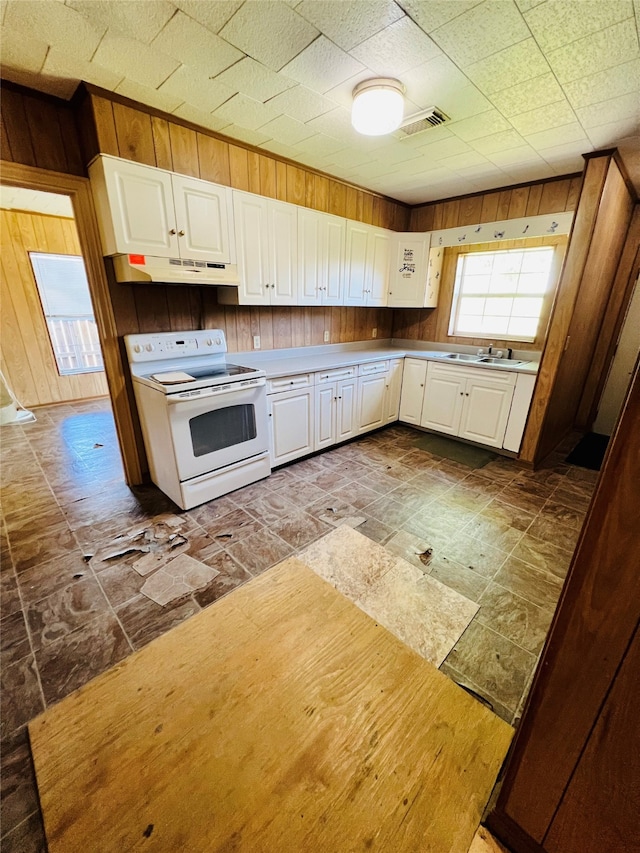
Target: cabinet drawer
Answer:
pixel 371 369
pixel 335 375
pixel 289 383
pixel 477 374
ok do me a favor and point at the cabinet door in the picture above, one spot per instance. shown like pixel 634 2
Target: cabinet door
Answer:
pixel 283 252
pixel 202 216
pixel 355 263
pixel 486 411
pixel 335 232
pixel 135 208
pixel 519 411
pixel 393 390
pixel 346 409
pixel 252 238
pixel 434 275
pixel 378 252
pixel 408 270
pixel 311 258
pixel 413 382
pixel 371 401
pixel 443 400
pixel 291 421
pixel 325 433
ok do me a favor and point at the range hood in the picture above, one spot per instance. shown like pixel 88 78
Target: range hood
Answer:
pixel 173 270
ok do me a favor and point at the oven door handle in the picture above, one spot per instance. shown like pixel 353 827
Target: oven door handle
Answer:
pixel 176 399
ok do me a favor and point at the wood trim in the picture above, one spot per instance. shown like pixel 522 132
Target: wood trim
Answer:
pixel 78 189
pixel 595 621
pixel 510 834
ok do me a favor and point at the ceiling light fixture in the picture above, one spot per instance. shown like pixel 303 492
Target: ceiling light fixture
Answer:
pixel 378 106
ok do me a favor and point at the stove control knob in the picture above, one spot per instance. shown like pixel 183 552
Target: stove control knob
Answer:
pixel 137 348
pixel 218 341
pixel 149 347
pixel 209 342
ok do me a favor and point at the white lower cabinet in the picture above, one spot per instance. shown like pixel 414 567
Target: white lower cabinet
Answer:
pixel 519 411
pixel 291 418
pixel 372 387
pixel 471 403
pixel 393 389
pixel 413 382
pixel 336 407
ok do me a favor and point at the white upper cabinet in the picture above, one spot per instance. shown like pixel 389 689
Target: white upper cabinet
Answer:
pixel 414 280
pixel 321 240
pixel 144 210
pixel 267 244
pixel 366 264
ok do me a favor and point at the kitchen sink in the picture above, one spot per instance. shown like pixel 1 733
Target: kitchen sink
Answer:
pixel 461 356
pixel 507 362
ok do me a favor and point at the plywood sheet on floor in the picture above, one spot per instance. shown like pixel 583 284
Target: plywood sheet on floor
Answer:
pixel 422 612
pixel 280 718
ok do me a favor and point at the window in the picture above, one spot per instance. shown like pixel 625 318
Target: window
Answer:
pixel 64 293
pixel 500 294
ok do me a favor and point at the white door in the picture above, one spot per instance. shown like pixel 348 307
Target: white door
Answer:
pixel 371 401
pixel 346 409
pixel 283 252
pixel 486 411
pixel 617 384
pixel 291 421
pixel 413 381
pixel 252 236
pixel 311 258
pixel 443 400
pixel 325 434
pixel 355 263
pixel 378 252
pixel 141 202
pixel 334 231
pixel 393 390
pixel 202 216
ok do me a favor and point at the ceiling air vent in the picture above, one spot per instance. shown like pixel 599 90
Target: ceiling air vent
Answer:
pixel 432 117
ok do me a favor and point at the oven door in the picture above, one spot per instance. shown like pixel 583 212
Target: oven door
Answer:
pixel 217 429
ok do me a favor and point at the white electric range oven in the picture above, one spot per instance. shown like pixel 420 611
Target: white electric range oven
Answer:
pixel 204 421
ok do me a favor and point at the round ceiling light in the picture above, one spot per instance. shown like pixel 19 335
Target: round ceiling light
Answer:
pixel 378 106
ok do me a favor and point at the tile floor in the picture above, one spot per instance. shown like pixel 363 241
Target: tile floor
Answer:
pixel 500 535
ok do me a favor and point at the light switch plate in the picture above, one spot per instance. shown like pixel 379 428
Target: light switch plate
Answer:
pixel 326 336
pixel 374 333
pixel 256 341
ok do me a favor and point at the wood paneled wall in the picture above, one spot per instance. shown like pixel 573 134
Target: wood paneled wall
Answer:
pixel 598 237
pixel 25 349
pixel 432 324
pixel 39 130
pixel 124 130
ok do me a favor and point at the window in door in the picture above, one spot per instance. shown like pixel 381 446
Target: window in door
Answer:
pixel 64 294
pixel 501 294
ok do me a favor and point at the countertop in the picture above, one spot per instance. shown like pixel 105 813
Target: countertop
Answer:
pixel 294 361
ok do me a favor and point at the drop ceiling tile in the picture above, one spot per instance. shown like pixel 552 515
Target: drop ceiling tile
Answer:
pixel 446 147
pixel 608 135
pixel 527 5
pixel 527 95
pixel 246 134
pixel 349 24
pixel 22 51
pixel 349 159
pixel 201 118
pixel 369 171
pixel 255 80
pixel 464 103
pixel 396 154
pixel 431 82
pixel 396 49
pixel 60 64
pixel 337 121
pixel 59 87
pixel 145 95
pixel 481 125
pixel 193 86
pixel 270 32
pixel 621 80
pixel 521 174
pixel 570 134
pixel 434 13
pixel 134 60
pixel 319 145
pixel 481 32
pixel 502 141
pixel 469 160
pixel 61 26
pixel 142 19
pixel 213 16
pixel 301 103
pixel 520 155
pixel 544 118
pixel 608 112
pixel 321 66
pixel 556 24
pixel 288 130
pixel 245 112
pixel 191 43
pixel 597 52
pixel 508 67
pixel 280 149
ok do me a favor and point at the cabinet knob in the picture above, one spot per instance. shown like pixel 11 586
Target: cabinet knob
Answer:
pixel 461 394
pixel 422 385
pixel 180 233
pixel 172 231
pixel 467 394
pixel 266 285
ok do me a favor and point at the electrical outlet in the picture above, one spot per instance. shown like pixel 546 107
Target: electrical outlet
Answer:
pixel 374 333
pixel 326 336
pixel 256 341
